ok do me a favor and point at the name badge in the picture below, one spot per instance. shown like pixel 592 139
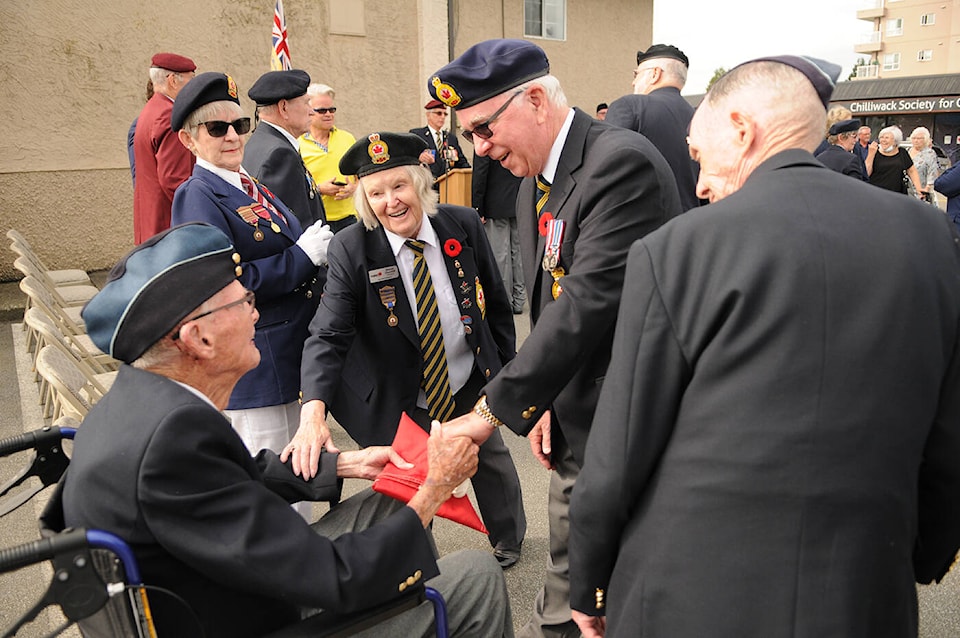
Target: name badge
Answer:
pixel 383 274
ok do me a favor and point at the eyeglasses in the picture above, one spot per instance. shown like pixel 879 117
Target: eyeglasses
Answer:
pixel 248 297
pixel 219 128
pixel 322 110
pixel 482 130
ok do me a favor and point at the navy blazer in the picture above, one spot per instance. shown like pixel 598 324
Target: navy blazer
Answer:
pixel 272 159
pixel 837 159
pixel 494 189
pixel 368 372
pixel 165 471
pixel 286 283
pixel 439 167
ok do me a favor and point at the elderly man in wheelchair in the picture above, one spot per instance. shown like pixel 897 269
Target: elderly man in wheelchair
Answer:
pixel 157 464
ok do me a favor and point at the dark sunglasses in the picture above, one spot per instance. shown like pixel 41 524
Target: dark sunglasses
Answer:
pixel 482 130
pixel 322 110
pixel 219 128
pixel 248 297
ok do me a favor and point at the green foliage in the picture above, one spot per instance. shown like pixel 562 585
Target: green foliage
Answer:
pixel 719 73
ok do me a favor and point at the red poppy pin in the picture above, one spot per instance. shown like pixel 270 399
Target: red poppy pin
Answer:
pixel 543 222
pixel 452 247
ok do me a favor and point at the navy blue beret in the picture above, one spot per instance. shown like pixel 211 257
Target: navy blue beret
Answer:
pixel 662 51
pixel 822 74
pixel 380 151
pixel 273 86
pixel 845 126
pixel 156 285
pixel 487 69
pixel 203 89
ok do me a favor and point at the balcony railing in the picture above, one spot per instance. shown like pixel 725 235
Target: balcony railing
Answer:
pixel 870 9
pixel 868 42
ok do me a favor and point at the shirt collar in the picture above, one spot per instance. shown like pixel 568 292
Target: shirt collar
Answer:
pixel 427 235
pixel 553 160
pixel 293 141
pixel 230 177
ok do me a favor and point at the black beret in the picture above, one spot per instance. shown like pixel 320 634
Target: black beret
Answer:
pixel 273 86
pixel 845 126
pixel 380 151
pixel 487 69
pixel 822 74
pixel 662 51
pixel 203 89
pixel 173 62
pixel 156 285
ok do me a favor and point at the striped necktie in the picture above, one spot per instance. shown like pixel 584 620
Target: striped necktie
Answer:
pixel 543 193
pixel 436 381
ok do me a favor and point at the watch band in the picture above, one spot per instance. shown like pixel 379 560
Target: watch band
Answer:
pixel 483 410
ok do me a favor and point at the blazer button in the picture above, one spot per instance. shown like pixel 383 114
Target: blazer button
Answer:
pixel 403 587
pixel 478 350
pixel 487 373
pixel 529 412
pixel 309 294
pixel 411 581
pixel 418 574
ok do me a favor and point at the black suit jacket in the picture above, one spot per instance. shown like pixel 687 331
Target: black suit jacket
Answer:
pixel 272 159
pixel 165 471
pixel 368 372
pixel 837 159
pixel 783 400
pixel 611 188
pixel 494 189
pixel 439 167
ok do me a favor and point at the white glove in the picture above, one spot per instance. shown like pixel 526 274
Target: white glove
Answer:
pixel 314 242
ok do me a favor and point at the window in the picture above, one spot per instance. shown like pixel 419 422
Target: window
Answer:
pixel 891 62
pixel 928 19
pixel 925 55
pixel 895 26
pixel 545 19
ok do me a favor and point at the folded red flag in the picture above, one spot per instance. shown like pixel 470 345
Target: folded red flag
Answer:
pixel 410 442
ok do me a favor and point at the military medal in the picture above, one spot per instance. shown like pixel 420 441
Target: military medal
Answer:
pixel 388 297
pixel 258 235
pixel 456 264
pixel 481 299
pixel 464 287
pixel 466 320
pixel 556 289
pixel 551 251
pixel 249 215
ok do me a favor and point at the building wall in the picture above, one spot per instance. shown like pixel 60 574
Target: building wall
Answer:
pixel 64 173
pixel 942 38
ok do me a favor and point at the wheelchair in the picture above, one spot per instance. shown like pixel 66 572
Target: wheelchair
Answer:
pixel 96 581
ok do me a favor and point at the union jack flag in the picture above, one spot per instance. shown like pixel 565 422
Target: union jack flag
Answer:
pixel 280 56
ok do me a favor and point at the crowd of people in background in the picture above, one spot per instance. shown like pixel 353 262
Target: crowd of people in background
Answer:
pixel 706 291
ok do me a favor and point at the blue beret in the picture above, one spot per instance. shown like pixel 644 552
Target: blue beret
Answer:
pixel 273 86
pixel 845 126
pixel 156 285
pixel 822 74
pixel 662 51
pixel 380 151
pixel 203 89
pixel 487 69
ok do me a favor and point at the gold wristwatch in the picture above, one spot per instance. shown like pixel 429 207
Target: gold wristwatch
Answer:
pixel 483 410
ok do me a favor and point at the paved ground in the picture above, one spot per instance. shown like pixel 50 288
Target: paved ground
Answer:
pixel 19 411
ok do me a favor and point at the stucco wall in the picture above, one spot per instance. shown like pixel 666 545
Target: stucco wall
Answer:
pixel 74 76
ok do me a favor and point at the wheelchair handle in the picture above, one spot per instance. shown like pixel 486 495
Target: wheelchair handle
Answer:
pixel 41 550
pixel 45 435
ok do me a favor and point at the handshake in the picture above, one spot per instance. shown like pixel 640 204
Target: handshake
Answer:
pixel 314 242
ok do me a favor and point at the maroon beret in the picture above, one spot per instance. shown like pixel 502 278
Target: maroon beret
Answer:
pixel 434 104
pixel 173 62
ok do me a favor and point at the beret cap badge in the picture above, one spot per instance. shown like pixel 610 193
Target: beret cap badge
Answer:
pixel 445 93
pixel 231 87
pixel 378 151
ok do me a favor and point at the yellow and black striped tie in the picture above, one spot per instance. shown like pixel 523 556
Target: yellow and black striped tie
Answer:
pixel 543 193
pixel 436 380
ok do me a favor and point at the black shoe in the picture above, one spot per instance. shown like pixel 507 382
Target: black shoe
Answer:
pixel 507 556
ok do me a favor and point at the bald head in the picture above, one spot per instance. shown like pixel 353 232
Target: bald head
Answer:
pixel 750 114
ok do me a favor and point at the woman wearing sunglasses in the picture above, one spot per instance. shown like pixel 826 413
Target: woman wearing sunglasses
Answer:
pixel 283 264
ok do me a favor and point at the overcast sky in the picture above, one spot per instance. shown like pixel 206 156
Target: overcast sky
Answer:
pixel 723 34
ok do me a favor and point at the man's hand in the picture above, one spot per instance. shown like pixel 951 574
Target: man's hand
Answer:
pixel 471 425
pixel 311 437
pixel 426 157
pixel 452 460
pixel 368 462
pixel 590 626
pixel 539 438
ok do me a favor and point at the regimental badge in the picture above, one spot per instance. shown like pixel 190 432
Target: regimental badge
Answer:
pixel 377 150
pixel 556 289
pixel 445 93
pixel 388 297
pixel 481 300
pixel 464 287
pixel 231 87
